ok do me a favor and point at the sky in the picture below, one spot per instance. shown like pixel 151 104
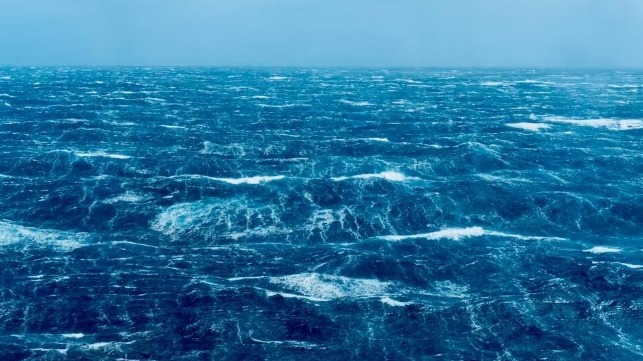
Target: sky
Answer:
pixel 378 33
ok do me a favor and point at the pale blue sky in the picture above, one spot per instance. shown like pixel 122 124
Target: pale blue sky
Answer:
pixel 447 33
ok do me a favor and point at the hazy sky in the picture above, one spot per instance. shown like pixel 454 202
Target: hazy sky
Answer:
pixel 569 33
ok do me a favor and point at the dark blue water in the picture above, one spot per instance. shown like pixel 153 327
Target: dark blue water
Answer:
pixel 291 214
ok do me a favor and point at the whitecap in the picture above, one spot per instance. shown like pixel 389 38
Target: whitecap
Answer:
pixel 277 77
pixel 300 344
pixel 495 83
pixel 106 345
pixel 13 234
pixel 237 181
pixel 388 175
pixel 609 123
pixel 356 104
pixel 448 233
pixel 102 154
pixel 328 287
pixel 375 139
pixel 534 127
pixel 456 234
pixel 127 197
pixel 624 86
pixel 172 126
pixel 391 302
pixel 603 249
pixel 73 335
pixel 630 265
pixel 222 219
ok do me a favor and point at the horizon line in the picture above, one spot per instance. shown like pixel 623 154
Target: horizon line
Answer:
pixel 381 67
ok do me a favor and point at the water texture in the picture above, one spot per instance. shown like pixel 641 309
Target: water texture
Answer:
pixel 320 214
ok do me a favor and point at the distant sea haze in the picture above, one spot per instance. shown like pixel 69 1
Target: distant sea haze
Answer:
pixel 307 214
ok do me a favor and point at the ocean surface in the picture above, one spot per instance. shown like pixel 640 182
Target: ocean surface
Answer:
pixel 320 214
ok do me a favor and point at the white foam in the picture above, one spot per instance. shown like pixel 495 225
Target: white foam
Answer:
pixel 534 127
pixel 292 295
pixel 277 77
pixel 328 287
pixel 127 197
pixel 375 139
pixel 629 265
pixel 13 234
pixel 234 219
pixel 73 335
pixel 106 345
pixel 356 104
pixel 450 289
pixel 495 83
pixel 391 302
pixel 388 175
pixel 448 233
pixel 603 249
pixel 101 153
pixel 260 97
pixel 172 126
pixel 609 123
pixel 456 234
pixel 624 86
pixel 288 342
pixel 249 180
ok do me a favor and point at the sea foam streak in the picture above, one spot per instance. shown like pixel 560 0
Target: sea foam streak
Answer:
pixel 235 181
pixel 456 234
pixel 388 175
pixel 534 127
pixel 603 249
pixel 356 104
pixel 101 154
pixel 611 124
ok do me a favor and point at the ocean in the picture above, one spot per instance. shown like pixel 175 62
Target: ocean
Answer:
pixel 320 214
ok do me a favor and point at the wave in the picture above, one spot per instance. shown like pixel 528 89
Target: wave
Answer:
pixel 13 234
pixel 391 302
pixel 496 83
pixel 327 287
pixel 223 219
pixel 609 123
pixel 277 77
pixel 102 154
pixel 630 265
pixel 603 249
pixel 72 335
pixel 534 127
pixel 388 175
pixel 375 139
pixel 127 197
pixel 235 181
pixel 290 343
pixel 456 234
pixel 172 126
pixel 356 104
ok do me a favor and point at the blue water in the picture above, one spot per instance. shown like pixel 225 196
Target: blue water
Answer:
pixel 322 214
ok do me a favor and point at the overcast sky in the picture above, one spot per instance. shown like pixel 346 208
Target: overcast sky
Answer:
pixel 446 33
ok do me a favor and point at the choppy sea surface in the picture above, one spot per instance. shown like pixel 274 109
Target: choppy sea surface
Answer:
pixel 320 214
